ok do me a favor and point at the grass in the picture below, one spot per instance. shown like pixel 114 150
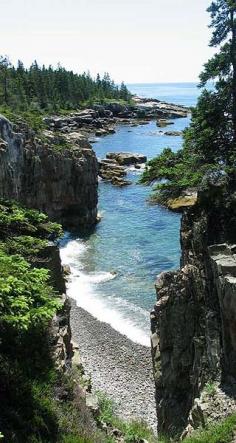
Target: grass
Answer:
pixel 135 431
pixel 210 389
pixel 222 432
pixel 33 118
pixel 132 431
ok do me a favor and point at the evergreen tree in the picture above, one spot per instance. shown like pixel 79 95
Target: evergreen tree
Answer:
pixel 213 129
pixel 124 93
pixel 46 88
pixel 210 141
pixel 4 76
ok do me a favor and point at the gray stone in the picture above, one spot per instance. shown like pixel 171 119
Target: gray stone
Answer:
pixel 62 183
pixel 92 402
pixel 194 318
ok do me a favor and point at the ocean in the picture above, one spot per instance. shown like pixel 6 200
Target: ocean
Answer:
pixel 114 267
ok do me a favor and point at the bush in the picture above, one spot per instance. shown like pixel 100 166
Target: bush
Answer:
pixel 26 299
pixel 17 220
pixel 173 173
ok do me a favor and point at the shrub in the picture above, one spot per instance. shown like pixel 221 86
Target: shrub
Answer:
pixel 26 298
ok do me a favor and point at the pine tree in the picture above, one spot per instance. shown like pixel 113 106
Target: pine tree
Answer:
pixel 124 93
pixel 46 88
pixel 210 141
pixel 214 120
pixel 4 75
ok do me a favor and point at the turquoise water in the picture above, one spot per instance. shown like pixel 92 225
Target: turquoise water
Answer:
pixel 114 268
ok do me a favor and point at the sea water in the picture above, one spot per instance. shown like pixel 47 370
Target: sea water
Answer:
pixel 114 266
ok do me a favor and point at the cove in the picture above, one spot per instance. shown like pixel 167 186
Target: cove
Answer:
pixel 114 267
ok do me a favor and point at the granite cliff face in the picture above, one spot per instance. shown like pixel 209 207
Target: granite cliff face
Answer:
pixel 194 320
pixel 62 183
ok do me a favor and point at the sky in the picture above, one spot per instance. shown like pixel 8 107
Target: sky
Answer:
pixel 137 41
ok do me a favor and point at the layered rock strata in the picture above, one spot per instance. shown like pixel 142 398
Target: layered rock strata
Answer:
pixel 114 167
pixel 194 320
pixel 61 181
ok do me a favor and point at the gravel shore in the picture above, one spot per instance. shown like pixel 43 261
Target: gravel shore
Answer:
pixel 117 366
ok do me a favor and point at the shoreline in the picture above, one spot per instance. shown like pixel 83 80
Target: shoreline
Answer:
pixel 117 366
pixel 102 119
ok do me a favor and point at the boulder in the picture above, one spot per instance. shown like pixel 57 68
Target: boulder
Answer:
pixel 101 132
pixel 92 402
pixel 111 130
pixel 174 133
pixel 127 158
pixel 118 181
pixel 162 122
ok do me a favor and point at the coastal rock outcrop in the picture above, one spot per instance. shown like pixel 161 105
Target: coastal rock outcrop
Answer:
pixel 113 168
pixel 100 119
pixel 126 158
pixel 173 133
pixel 59 180
pixel 194 320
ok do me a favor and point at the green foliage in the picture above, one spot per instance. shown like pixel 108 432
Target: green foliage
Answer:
pixel 38 403
pixel 132 431
pixel 27 305
pixel 136 430
pixel 210 389
pixel 210 141
pixel 106 408
pixel 17 220
pixel 33 91
pixel 76 439
pixel 27 245
pixel 174 172
pixel 60 143
pixel 222 432
pixel 213 128
pixel 26 299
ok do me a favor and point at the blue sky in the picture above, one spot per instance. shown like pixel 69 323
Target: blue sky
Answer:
pixel 134 40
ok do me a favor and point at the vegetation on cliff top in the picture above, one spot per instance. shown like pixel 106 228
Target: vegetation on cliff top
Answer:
pixel 210 141
pixel 53 89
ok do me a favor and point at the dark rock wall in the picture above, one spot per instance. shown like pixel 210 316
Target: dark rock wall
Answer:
pixel 59 329
pixel 194 320
pixel 62 183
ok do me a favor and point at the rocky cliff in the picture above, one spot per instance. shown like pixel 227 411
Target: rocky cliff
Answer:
pixel 194 320
pixel 61 181
pixel 59 331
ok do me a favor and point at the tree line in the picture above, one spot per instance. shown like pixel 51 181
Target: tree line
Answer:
pixel 49 88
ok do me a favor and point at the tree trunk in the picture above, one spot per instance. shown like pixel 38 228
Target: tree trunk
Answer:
pixel 233 58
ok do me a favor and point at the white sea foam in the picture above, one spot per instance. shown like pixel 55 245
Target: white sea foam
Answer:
pixel 117 312
pixel 137 170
